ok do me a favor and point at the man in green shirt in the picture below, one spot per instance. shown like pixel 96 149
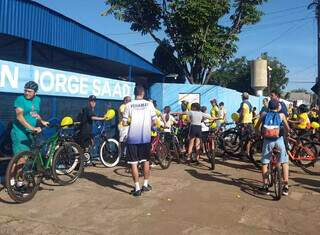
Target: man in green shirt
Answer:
pixel 27 108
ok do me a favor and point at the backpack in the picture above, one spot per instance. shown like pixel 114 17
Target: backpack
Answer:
pixel 245 102
pixel 271 125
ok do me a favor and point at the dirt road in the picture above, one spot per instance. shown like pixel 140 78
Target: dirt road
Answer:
pixel 185 200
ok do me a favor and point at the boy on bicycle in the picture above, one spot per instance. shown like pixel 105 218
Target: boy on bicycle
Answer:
pixel 271 122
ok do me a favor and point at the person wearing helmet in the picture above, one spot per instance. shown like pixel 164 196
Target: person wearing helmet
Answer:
pixel 271 123
pixel 303 123
pixel 86 118
pixel 27 108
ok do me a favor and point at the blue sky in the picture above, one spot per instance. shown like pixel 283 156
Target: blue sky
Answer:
pixel 287 31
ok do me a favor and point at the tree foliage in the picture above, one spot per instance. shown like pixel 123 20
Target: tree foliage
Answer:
pixel 196 38
pixel 236 74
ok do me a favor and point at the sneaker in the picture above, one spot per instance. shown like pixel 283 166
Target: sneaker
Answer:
pixel 265 189
pixel 146 189
pixel 285 190
pixel 136 193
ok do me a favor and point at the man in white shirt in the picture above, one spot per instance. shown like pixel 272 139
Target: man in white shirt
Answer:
pixel 142 117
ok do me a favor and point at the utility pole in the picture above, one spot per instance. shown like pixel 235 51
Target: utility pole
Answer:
pixel 316 4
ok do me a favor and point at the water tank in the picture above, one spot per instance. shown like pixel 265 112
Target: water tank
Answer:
pixel 259 75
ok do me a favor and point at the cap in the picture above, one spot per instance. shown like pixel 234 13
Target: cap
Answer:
pixel 245 95
pixel 213 101
pixel 273 104
pixel 92 98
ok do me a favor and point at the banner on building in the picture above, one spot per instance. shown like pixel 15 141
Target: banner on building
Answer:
pixel 54 82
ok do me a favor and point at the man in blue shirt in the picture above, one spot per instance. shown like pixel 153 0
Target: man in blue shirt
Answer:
pixel 27 109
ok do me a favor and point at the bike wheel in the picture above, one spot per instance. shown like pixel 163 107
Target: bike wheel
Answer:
pixel 277 182
pixel 231 142
pixel 67 163
pixel 110 153
pixel 212 159
pixel 21 177
pixel 163 156
pixel 309 157
pixel 255 153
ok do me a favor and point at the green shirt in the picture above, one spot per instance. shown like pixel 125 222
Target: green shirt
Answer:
pixel 31 109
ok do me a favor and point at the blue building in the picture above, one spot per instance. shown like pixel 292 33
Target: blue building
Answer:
pixel 68 59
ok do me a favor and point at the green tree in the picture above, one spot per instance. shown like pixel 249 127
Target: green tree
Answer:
pixel 195 36
pixel 235 74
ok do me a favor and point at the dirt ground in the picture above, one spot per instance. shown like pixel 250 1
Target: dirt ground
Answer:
pixel 184 200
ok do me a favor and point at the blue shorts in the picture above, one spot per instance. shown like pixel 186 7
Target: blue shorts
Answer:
pixel 268 145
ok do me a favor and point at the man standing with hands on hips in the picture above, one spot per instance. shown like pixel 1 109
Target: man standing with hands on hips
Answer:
pixel 142 115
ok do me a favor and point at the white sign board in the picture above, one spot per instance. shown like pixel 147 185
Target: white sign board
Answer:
pixel 191 98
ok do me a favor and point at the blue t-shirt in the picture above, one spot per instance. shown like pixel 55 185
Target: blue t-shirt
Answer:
pixel 31 109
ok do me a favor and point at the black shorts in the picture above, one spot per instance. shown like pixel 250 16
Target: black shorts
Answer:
pixel 138 153
pixel 195 131
pixel 205 135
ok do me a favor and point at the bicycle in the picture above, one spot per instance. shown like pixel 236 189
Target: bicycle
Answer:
pixel 302 152
pixel 176 144
pixel 160 152
pixel 235 140
pixel 53 159
pixel 213 142
pixel 100 147
pixel 274 174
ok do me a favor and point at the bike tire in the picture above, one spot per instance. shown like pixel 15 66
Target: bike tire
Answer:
pixel 212 159
pixel 231 142
pixel 163 156
pixel 277 182
pixel 255 153
pixel 310 167
pixel 67 163
pixel 10 183
pixel 110 153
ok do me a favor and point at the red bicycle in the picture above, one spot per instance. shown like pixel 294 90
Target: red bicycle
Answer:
pixel 160 152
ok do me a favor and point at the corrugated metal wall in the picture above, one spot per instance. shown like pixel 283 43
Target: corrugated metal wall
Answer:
pixel 30 20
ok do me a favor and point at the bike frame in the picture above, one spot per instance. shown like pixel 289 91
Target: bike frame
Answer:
pixel 40 161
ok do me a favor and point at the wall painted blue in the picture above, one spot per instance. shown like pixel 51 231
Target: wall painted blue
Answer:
pixel 168 94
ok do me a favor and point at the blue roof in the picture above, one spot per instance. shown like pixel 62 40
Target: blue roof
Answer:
pixel 31 20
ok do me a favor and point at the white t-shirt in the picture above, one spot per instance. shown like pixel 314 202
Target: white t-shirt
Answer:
pixel 141 113
pixel 205 127
pixel 168 123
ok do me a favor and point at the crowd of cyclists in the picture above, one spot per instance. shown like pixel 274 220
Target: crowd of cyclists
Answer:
pixel 140 122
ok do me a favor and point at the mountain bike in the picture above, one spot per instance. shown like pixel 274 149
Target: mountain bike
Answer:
pixel 214 142
pixel 160 153
pixel 56 158
pixel 235 140
pixel 274 174
pixel 176 144
pixel 302 152
pixel 100 147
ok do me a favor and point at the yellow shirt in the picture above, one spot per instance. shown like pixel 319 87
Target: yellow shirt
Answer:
pixel 158 123
pixel 121 111
pixel 306 121
pixel 214 111
pixel 247 115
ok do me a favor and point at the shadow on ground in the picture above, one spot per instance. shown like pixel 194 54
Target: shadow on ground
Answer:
pixel 106 182
pixel 309 184
pixel 248 186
